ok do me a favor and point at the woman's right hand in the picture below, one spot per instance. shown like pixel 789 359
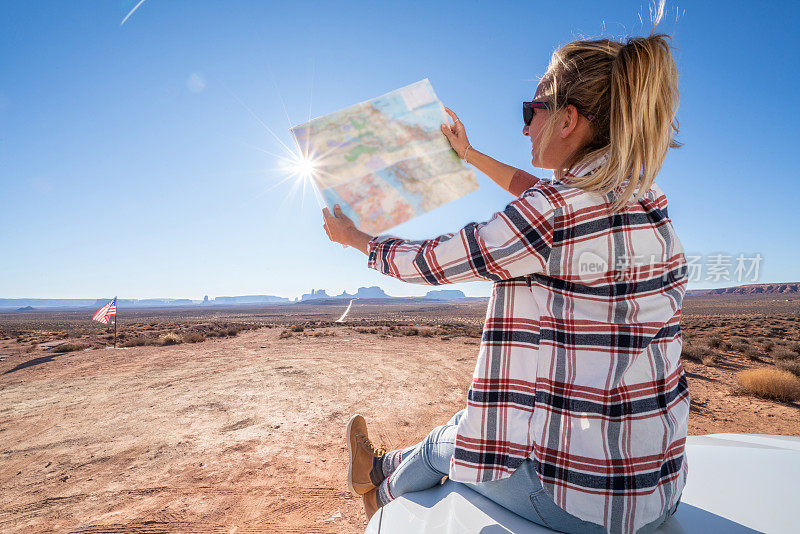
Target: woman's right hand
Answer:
pixel 456 134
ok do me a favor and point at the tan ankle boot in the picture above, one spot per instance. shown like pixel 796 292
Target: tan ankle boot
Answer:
pixel 363 453
pixel 371 503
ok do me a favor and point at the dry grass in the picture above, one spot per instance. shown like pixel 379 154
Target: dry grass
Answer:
pixel 709 358
pixel 69 347
pixel 140 341
pixel 770 383
pixel 169 338
pixel 445 330
pixel 324 333
pixel 363 330
pixel 784 354
pixel 752 353
pixel 791 366
pixel 193 337
pixel 739 346
pixel 698 353
pixel 462 330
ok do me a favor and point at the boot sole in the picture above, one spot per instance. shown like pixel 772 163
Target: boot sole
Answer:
pixel 350 456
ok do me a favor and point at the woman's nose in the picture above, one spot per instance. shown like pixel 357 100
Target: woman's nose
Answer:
pixel 525 130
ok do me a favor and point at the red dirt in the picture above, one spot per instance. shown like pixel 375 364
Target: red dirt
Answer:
pixel 245 434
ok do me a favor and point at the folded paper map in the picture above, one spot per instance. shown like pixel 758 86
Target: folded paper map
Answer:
pixel 385 161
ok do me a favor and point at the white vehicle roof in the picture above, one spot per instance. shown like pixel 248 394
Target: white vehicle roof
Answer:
pixel 737 483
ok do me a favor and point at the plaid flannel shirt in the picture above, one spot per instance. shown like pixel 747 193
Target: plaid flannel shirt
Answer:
pixel 578 367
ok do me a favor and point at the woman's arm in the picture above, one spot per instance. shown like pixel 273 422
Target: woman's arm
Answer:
pixel 513 180
pixel 515 242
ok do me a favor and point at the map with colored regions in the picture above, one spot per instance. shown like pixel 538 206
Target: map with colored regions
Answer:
pixel 385 161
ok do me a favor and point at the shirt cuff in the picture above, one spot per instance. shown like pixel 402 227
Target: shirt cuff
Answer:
pixel 373 250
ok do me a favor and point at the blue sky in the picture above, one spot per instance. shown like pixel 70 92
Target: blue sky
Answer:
pixel 130 167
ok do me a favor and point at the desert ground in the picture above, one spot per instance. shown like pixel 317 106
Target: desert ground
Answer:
pixel 232 420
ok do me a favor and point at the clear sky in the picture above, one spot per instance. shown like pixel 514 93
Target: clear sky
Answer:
pixel 130 167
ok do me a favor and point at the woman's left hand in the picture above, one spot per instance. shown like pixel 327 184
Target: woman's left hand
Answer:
pixel 341 229
pixel 456 134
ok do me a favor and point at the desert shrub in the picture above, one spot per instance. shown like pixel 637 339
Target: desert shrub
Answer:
pixel 231 331
pixel 169 338
pixel 459 329
pixel 709 357
pixel 69 347
pixel 739 346
pixel 285 335
pixel 223 331
pixel 752 353
pixel 411 331
pixel 770 383
pixel 694 352
pixel 726 345
pixel 140 341
pixel 784 354
pixel 324 333
pixel 768 346
pixel 363 330
pixel 795 347
pixel 742 341
pixel 793 366
pixel 715 342
pixel 193 337
pixel 297 328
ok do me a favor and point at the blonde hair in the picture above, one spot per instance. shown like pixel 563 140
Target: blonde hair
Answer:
pixel 632 90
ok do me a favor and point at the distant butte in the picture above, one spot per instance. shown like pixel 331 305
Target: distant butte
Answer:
pixel 787 288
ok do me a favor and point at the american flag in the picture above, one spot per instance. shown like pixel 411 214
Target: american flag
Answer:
pixel 105 312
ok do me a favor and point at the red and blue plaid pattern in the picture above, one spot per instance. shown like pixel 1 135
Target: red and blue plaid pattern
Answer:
pixel 579 362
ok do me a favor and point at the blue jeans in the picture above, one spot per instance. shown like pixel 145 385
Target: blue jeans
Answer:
pixel 424 465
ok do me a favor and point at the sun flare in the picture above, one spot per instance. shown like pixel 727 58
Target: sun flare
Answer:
pixel 301 169
pixel 302 166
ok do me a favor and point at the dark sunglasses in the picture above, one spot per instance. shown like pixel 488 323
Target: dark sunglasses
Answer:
pixel 528 107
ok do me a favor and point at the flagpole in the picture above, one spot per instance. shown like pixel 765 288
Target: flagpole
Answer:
pixel 115 322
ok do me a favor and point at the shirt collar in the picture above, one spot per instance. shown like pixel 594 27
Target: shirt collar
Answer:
pixel 585 167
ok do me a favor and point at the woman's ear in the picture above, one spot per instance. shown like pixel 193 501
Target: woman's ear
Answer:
pixel 569 121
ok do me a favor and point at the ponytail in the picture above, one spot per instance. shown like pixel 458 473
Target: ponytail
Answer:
pixel 632 89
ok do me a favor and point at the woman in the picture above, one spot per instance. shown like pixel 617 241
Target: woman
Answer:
pixel 577 413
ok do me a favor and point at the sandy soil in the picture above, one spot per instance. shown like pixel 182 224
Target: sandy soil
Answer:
pixel 245 434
